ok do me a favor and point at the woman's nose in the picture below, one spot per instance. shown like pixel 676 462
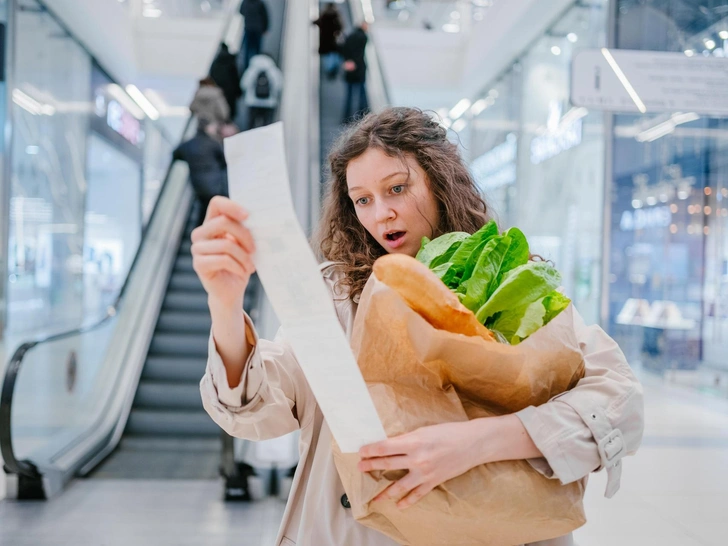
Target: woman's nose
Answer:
pixel 384 213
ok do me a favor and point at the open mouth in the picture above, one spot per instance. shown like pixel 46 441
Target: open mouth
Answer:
pixel 394 235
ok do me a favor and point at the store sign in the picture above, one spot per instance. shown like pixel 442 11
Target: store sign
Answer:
pixel 624 80
pixel 121 121
pixel 557 138
pixel 497 166
pixel 656 217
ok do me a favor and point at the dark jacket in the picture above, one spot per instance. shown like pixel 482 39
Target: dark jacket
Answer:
pixel 206 159
pixel 330 27
pixel 224 71
pixel 353 50
pixel 256 16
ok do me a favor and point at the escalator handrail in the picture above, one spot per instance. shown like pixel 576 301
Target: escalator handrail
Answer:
pixel 11 464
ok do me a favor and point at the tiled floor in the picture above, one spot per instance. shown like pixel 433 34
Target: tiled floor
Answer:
pixel 674 493
pixel 140 513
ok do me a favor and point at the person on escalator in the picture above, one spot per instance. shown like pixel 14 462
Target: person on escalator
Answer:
pixel 224 71
pixel 206 159
pixel 262 86
pixel 330 27
pixel 355 68
pixel 209 104
pixel 255 15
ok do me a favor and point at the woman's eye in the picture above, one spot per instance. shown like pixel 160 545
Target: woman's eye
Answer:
pixel 398 189
pixel 362 201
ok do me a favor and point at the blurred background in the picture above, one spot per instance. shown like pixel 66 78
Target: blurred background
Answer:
pixel 599 127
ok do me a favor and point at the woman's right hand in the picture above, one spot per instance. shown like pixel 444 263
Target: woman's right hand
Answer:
pixel 221 253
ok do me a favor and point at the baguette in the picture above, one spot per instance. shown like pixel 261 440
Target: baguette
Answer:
pixel 428 296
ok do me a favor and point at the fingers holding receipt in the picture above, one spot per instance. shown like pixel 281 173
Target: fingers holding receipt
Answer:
pixel 290 275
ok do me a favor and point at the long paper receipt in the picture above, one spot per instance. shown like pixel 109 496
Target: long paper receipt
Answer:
pixel 290 274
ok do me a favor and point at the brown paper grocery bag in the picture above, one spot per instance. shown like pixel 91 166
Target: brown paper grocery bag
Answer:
pixel 418 376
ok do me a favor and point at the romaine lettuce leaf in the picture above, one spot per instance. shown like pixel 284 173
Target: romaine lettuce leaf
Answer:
pixel 482 283
pixel 438 251
pixel 522 285
pixel 517 324
pixel 466 256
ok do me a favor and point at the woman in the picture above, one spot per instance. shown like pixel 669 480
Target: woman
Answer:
pixel 395 178
pixel 209 104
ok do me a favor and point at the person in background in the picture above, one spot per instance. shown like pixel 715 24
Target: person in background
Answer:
pixel 224 71
pixel 262 85
pixel 330 27
pixel 255 14
pixel 355 69
pixel 206 159
pixel 209 104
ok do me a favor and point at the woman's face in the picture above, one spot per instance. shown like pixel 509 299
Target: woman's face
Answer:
pixel 392 200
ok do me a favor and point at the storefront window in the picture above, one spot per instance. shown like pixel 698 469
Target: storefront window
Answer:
pixel 669 252
pixel 540 161
pixel 75 202
pixel 50 124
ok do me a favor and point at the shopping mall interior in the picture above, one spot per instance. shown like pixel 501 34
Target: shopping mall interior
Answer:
pixel 599 128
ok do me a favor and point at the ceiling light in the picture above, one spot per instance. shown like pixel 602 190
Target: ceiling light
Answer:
pixel 451 27
pixel 689 52
pixel 32 150
pixel 455 15
pixel 710 44
pixel 460 108
pixel 118 94
pixel 446 122
pixel 28 103
pixel 152 12
pixel 572 37
pixel 636 204
pixel 666 127
pixel 478 106
pixel 723 34
pixel 573 115
pixel 459 125
pixel 493 93
pixel 368 11
pixel 143 102
pixel 623 79
pixel 556 50
pixel 680 118
pixel 478 16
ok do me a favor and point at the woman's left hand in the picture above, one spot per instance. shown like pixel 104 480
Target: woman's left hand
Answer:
pixel 432 455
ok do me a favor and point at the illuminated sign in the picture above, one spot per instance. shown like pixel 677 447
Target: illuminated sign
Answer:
pixel 656 217
pixel 497 166
pixel 121 121
pixel 557 138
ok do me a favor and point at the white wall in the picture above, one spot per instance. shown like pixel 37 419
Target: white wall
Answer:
pixel 106 28
pixel 434 69
pixel 134 49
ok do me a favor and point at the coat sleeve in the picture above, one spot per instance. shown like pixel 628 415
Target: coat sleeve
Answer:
pixel 596 423
pixel 271 397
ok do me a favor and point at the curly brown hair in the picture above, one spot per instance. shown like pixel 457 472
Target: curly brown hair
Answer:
pixel 398 132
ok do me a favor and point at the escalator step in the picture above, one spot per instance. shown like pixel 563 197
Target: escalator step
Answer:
pixel 171 423
pixel 184 263
pixel 168 396
pixel 184 321
pixel 179 344
pixel 174 369
pixel 186 281
pixel 185 301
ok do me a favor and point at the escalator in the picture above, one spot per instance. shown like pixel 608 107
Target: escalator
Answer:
pixel 119 398
pixel 169 435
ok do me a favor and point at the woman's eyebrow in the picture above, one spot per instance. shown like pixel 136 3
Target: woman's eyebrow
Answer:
pixel 391 175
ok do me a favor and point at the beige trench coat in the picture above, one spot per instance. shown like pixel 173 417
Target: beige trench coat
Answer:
pixel 586 429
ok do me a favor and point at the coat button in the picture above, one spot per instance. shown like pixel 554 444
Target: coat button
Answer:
pixel 345 501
